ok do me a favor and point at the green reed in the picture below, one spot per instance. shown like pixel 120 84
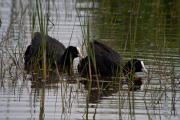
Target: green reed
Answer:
pixel 127 99
pixel 86 32
pixel 157 24
pixel 39 16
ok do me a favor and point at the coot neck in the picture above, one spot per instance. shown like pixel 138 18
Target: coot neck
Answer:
pixel 128 70
pixel 67 63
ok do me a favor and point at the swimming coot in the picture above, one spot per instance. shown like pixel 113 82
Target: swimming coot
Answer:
pixel 107 63
pixel 57 55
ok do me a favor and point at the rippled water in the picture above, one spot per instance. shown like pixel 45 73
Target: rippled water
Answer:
pixel 146 30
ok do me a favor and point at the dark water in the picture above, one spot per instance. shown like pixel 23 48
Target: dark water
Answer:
pixel 148 30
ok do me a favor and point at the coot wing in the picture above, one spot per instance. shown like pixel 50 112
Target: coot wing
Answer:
pixel 107 60
pixel 52 45
pixel 104 52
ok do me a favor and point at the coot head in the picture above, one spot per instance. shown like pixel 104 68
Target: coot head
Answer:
pixel 65 63
pixel 133 66
pixel 72 52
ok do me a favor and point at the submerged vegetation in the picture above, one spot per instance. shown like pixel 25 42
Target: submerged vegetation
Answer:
pixel 147 30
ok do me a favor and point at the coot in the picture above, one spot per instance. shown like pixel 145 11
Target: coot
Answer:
pixel 57 55
pixel 107 63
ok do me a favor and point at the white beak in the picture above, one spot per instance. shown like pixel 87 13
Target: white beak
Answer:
pixel 143 67
pixel 79 52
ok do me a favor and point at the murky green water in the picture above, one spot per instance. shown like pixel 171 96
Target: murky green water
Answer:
pixel 148 30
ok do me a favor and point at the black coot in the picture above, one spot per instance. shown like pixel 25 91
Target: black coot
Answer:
pixel 107 63
pixel 56 54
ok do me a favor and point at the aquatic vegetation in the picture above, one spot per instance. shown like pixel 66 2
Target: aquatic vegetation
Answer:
pixel 147 30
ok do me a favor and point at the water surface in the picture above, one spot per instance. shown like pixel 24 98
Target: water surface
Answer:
pixel 147 30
